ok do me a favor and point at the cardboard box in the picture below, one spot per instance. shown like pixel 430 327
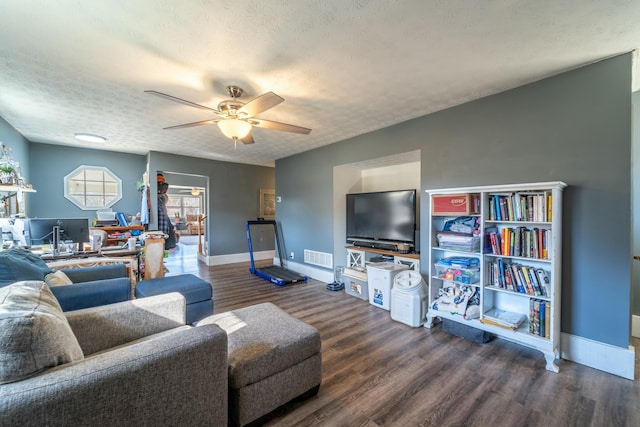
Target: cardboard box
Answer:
pixel 455 204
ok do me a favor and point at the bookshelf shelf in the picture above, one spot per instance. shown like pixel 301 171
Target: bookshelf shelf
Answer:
pixel 516 239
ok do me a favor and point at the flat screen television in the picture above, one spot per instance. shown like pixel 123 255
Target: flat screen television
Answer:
pixel 381 219
pixel 73 229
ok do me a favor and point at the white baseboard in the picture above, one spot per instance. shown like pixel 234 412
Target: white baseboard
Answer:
pixel 241 257
pixel 635 326
pixel 315 273
pixel 605 357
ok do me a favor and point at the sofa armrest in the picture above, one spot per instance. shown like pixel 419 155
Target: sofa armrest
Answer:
pixel 176 378
pixel 98 272
pixel 107 326
pixel 90 294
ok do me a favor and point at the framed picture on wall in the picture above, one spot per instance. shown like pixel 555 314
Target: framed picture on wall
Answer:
pixel 267 203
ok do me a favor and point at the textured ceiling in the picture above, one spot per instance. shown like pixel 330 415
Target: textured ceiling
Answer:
pixel 344 67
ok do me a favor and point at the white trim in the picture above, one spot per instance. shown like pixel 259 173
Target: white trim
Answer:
pixel 241 257
pixel 505 188
pixel 605 357
pixel 315 273
pixel 635 326
pixel 309 271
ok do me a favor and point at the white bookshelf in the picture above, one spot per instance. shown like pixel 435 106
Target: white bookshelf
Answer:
pixel 535 253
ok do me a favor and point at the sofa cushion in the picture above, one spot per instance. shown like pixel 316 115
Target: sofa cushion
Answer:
pixel 34 334
pixel 57 278
pixel 20 264
pixel 193 288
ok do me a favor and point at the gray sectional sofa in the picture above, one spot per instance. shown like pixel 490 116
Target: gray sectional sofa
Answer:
pixel 137 363
pixel 129 363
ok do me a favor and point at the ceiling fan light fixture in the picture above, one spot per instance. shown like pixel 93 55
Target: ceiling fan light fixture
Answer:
pixel 234 128
pixel 89 137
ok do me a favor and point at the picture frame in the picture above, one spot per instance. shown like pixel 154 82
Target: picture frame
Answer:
pixel 267 203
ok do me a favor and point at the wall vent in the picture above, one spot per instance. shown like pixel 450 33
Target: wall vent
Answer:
pixel 321 259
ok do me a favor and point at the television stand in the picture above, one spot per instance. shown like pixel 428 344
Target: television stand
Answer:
pixel 357 257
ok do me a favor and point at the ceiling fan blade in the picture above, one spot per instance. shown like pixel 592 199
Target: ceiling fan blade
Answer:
pixel 258 105
pixel 280 126
pixel 188 125
pixel 248 139
pixel 181 101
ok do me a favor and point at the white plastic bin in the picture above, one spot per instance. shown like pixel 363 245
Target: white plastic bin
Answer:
pixel 409 298
pixel 381 275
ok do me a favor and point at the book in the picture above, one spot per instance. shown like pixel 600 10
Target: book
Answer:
pixel 503 208
pixel 508 276
pixel 517 244
pixel 509 203
pixel 544 281
pixel 527 280
pixel 519 284
pixel 495 275
pixel 504 318
pixel 122 219
pixel 501 272
pixel 534 281
pixel 536 317
pixel 534 243
pixel 496 202
pixel 547 316
pixel 543 305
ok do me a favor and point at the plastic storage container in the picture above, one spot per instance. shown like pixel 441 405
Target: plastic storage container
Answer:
pixel 466 276
pixel 356 287
pixel 409 300
pixel 458 242
pixel 381 277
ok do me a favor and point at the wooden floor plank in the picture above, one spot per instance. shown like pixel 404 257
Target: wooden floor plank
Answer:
pixel 377 372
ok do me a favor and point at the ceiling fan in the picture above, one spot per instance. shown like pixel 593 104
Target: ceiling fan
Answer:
pixel 237 118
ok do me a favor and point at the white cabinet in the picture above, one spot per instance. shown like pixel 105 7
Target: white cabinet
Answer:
pixel 499 269
pixel 358 257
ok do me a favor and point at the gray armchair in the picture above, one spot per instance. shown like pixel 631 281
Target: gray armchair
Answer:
pixel 141 366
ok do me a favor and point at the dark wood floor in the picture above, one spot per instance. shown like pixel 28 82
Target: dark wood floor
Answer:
pixel 377 372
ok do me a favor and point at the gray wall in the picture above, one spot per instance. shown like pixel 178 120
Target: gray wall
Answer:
pixel 574 127
pixel 19 146
pixel 51 163
pixel 233 195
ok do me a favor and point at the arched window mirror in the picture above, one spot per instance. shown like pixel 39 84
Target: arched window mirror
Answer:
pixel 92 187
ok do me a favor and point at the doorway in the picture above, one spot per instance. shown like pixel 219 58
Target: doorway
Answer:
pixel 186 207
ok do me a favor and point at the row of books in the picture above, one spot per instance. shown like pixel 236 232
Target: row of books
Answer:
pixel 535 207
pixel 519 278
pixel 519 241
pixel 539 315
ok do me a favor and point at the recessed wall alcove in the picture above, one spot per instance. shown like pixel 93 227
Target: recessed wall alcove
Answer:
pixel 396 172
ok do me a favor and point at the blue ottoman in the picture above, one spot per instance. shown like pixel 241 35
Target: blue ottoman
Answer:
pixel 196 291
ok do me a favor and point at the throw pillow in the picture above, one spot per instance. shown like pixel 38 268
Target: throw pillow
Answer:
pixel 32 258
pixel 19 264
pixel 34 333
pixel 57 278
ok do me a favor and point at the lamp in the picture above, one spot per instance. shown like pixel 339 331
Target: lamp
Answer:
pixel 234 128
pixel 195 191
pixel 89 137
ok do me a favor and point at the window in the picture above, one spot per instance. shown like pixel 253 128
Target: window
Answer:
pixel 180 205
pixel 92 187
